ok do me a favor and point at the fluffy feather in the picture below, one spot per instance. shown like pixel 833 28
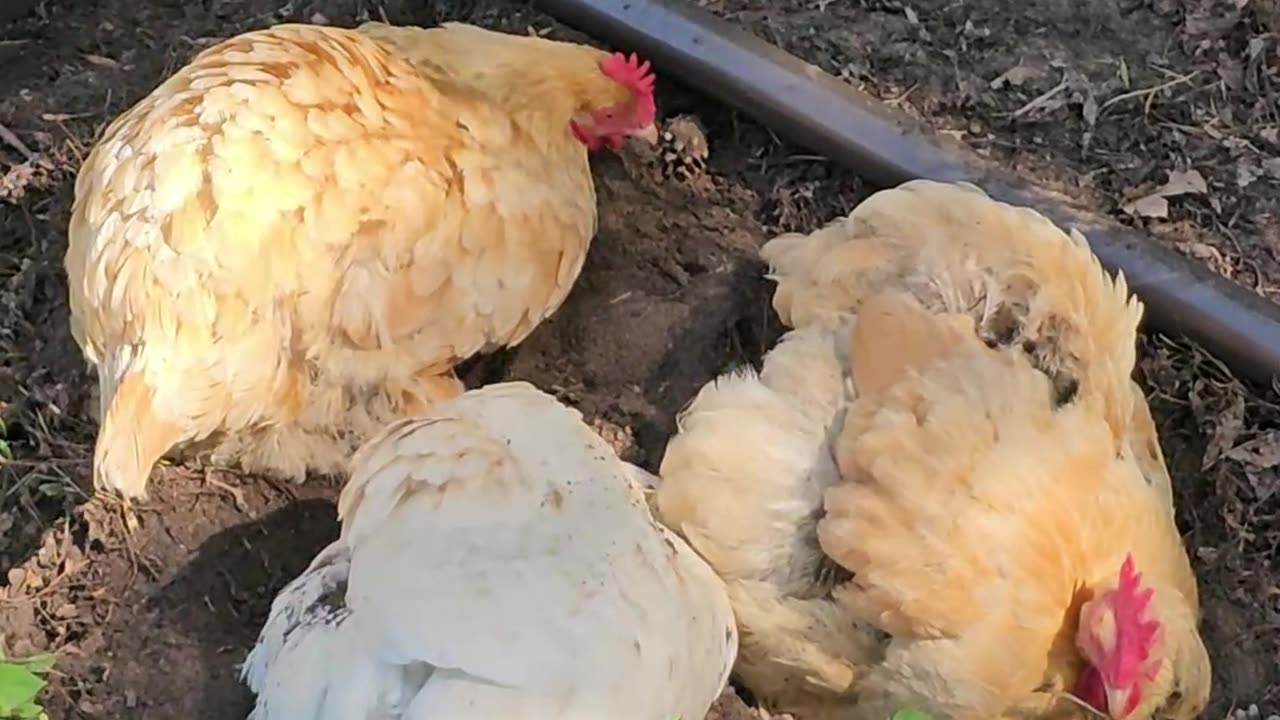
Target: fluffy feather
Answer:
pixel 934 469
pixel 293 239
pixel 495 560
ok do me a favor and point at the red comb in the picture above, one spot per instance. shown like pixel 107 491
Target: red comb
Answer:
pixel 630 72
pixel 633 74
pixel 1135 635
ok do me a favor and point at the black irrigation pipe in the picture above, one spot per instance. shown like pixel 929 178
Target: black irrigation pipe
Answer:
pixel 15 9
pixel 887 148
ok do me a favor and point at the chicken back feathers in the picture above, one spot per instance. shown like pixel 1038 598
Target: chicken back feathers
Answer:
pixel 1023 280
pixel 306 227
pixel 930 475
pixel 495 560
pixel 955 249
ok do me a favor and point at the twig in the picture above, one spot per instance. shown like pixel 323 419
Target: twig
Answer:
pixel 1149 92
pixel 13 140
pixel 1041 100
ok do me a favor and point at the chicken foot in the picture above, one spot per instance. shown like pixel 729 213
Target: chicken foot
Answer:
pixel 237 496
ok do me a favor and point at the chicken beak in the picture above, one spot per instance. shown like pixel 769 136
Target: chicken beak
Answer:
pixel 1117 701
pixel 648 133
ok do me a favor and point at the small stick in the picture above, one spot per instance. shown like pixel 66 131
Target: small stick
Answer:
pixel 1149 92
pixel 1041 100
pixel 7 135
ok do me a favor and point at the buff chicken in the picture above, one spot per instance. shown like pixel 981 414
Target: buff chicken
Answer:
pixel 943 490
pixel 496 560
pixel 292 240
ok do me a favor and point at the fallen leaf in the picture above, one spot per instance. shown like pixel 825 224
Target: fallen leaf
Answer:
pixel 1271 166
pixel 17 576
pixel 1230 71
pixel 100 60
pixel 1262 452
pixel 1209 22
pixel 1210 256
pixel 1154 205
pixel 973 31
pixel 1228 425
pixel 1263 483
pixel 1247 172
pixel 1257 46
pixel 1090 110
pixel 1184 182
pixel 1151 206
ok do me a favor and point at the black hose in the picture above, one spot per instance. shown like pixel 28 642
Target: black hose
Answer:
pixel 888 148
pixel 15 9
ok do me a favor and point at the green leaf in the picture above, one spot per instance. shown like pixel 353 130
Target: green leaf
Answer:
pixel 18 689
pixel 29 711
pixel 38 664
pixel 909 714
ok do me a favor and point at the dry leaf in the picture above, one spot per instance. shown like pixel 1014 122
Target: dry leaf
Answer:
pixel 1154 205
pixel 1229 423
pixel 1151 206
pixel 17 578
pixel 1090 110
pixel 1262 452
pixel 100 60
pixel 1184 182
pixel 1247 172
pixel 1263 483
pixel 1210 256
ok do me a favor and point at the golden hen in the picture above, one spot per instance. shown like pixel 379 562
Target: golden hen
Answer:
pixel 496 560
pixel 943 489
pixel 294 238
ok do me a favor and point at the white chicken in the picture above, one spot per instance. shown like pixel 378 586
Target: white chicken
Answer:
pixel 496 560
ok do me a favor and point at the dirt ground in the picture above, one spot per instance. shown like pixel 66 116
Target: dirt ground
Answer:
pixel 155 626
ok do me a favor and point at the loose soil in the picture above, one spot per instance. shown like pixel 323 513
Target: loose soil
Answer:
pixel 155 625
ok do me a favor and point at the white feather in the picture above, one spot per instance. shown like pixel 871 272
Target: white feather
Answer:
pixel 499 561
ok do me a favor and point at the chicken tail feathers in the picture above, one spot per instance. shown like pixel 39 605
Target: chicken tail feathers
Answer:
pixel 317 595
pixel 304 642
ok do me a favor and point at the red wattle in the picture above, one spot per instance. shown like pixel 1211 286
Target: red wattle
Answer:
pixel 1090 689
